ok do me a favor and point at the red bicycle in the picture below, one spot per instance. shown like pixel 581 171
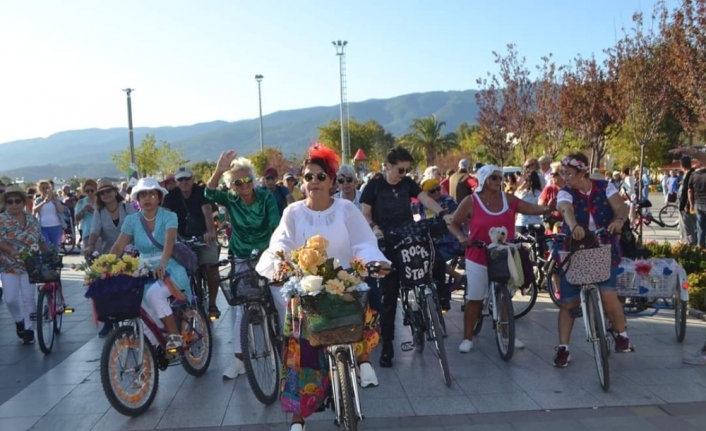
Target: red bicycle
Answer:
pixel 51 305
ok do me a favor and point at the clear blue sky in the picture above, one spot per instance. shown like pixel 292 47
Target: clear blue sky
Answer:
pixel 64 63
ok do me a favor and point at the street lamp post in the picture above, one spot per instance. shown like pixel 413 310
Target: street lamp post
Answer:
pixel 341 53
pixel 129 125
pixel 258 78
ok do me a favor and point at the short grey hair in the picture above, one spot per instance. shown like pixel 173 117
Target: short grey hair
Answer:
pixel 347 171
pixel 239 164
pixel 431 171
pixel 545 160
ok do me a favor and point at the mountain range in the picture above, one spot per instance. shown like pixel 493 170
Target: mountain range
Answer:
pixel 86 153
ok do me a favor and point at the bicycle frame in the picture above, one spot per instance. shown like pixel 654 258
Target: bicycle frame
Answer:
pixel 55 289
pixel 595 290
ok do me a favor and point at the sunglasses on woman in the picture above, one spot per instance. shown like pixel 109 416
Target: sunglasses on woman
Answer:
pixel 13 201
pixel 342 180
pixel 319 177
pixel 436 189
pixel 90 190
pixel 240 181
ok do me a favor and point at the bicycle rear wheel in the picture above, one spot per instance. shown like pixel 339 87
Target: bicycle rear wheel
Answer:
pixel 435 333
pixel 549 284
pixel 347 414
pixel 45 321
pixel 679 316
pixel 59 310
pixel 524 300
pixel 259 355
pixel 505 323
pixel 198 343
pixel 598 339
pixel 130 382
pixel 669 216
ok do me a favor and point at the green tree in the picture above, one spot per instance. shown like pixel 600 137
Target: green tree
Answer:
pixel 5 179
pixel 270 157
pixel 203 169
pixel 426 139
pixel 370 137
pixel 470 145
pixel 152 158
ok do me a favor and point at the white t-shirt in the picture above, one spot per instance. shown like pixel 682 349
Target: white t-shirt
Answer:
pixel 356 199
pixel 49 215
pixel 531 196
pixel 342 224
pixel 565 196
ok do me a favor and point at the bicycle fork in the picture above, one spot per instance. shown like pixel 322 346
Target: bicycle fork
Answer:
pixel 591 337
pixel 336 384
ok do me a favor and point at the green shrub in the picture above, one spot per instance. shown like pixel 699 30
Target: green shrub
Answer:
pixel 693 260
pixel 660 250
pixel 697 290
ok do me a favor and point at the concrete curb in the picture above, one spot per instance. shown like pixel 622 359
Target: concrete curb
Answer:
pixel 697 314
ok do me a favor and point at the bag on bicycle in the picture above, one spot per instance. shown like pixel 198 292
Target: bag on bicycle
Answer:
pixel 181 252
pixel 587 261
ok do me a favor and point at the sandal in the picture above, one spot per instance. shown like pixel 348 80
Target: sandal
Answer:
pixel 174 342
pixel 214 312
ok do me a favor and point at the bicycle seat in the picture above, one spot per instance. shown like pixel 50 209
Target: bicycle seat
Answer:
pixel 645 203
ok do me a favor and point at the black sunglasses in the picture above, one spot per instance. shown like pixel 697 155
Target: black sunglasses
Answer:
pixel 404 171
pixel 495 177
pixel 182 179
pixel 270 177
pixel 13 201
pixel 345 180
pixel 105 192
pixel 90 190
pixel 435 189
pixel 241 181
pixel 321 176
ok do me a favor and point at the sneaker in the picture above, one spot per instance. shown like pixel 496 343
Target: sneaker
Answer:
pixel 386 356
pixel 698 358
pixel 466 346
pixel 213 312
pixel 562 357
pixel 28 337
pixel 368 378
pixel 519 344
pixel 20 328
pixel 297 427
pixel 235 369
pixel 622 344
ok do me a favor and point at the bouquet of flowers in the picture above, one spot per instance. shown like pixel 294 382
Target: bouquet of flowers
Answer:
pixel 109 265
pixel 333 300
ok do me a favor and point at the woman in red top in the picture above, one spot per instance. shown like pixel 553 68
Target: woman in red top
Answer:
pixel 486 208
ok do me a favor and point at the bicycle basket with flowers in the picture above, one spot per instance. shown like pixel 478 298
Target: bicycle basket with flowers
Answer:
pixel 116 286
pixel 333 300
pixel 41 267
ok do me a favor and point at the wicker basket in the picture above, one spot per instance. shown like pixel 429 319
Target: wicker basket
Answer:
pixel 117 298
pixel 44 268
pixel 332 319
pixel 243 286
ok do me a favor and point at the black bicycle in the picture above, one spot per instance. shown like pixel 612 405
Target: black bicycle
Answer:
pixel 261 338
pixel 198 279
pixel 414 245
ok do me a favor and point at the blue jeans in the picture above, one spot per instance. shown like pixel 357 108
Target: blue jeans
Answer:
pixel 701 225
pixel 52 235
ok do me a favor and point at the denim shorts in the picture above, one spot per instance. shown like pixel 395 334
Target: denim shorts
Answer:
pixel 571 292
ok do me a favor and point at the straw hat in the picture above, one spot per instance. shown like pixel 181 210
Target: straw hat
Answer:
pixel 105 185
pixel 9 190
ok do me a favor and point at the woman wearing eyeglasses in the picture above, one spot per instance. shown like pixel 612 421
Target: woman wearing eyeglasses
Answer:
pixel 305 375
pixel 84 210
pixel 253 215
pixel 348 185
pixel 486 208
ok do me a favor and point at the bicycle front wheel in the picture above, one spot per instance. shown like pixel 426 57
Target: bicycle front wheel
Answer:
pixel 524 300
pixel 130 381
pixel 505 323
pixel 45 321
pixel 679 316
pixel 347 414
pixel 598 339
pixel 436 336
pixel 669 216
pixel 198 343
pixel 259 355
pixel 59 310
pixel 554 295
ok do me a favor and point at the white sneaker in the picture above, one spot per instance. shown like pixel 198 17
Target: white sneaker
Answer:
pixel 368 378
pixel 519 344
pixel 234 369
pixel 466 346
pixel 297 427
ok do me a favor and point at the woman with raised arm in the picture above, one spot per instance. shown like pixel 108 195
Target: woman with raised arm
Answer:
pixel 305 374
pixel 50 211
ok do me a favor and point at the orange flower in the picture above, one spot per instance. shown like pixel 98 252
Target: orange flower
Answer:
pixel 317 242
pixel 309 258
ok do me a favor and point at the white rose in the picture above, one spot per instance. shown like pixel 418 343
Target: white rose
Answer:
pixel 312 283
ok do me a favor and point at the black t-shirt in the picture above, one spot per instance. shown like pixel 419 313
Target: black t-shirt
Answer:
pixel 175 202
pixel 684 191
pixel 697 183
pixel 391 204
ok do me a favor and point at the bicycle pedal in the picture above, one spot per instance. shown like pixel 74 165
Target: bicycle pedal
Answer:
pixel 68 310
pixel 407 346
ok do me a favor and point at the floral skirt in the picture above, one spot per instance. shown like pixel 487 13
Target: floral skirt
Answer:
pixel 305 376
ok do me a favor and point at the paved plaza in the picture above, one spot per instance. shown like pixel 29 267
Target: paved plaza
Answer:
pixel 651 389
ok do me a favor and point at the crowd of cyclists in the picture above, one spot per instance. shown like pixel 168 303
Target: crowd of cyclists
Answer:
pixel 280 210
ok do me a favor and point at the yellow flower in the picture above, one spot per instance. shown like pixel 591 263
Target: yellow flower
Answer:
pixel 117 268
pixel 335 287
pixel 347 278
pixel 309 257
pixel 317 242
pixel 111 258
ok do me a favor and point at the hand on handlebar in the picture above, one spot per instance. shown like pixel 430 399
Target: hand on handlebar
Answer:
pixel 378 269
pixel 616 226
pixel 209 237
pixel 578 233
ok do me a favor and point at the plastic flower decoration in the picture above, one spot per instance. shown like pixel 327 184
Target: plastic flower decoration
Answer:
pixel 308 271
pixel 110 265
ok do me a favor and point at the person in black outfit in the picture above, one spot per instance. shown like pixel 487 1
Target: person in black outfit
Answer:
pixel 386 204
pixel 195 216
pixel 688 220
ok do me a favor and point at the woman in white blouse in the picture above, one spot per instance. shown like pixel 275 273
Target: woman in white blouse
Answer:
pixel 349 236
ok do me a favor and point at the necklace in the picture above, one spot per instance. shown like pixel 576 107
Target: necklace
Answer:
pixel 149 219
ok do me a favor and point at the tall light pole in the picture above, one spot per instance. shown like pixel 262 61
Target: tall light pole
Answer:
pixel 129 125
pixel 341 53
pixel 258 78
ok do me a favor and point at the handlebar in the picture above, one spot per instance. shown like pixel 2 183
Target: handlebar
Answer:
pixel 193 242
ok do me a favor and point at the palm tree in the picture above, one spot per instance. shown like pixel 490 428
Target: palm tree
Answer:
pixel 426 139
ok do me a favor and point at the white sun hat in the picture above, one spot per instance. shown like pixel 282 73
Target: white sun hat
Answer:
pixel 147 184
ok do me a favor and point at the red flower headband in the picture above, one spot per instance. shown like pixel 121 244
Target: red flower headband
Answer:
pixel 330 158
